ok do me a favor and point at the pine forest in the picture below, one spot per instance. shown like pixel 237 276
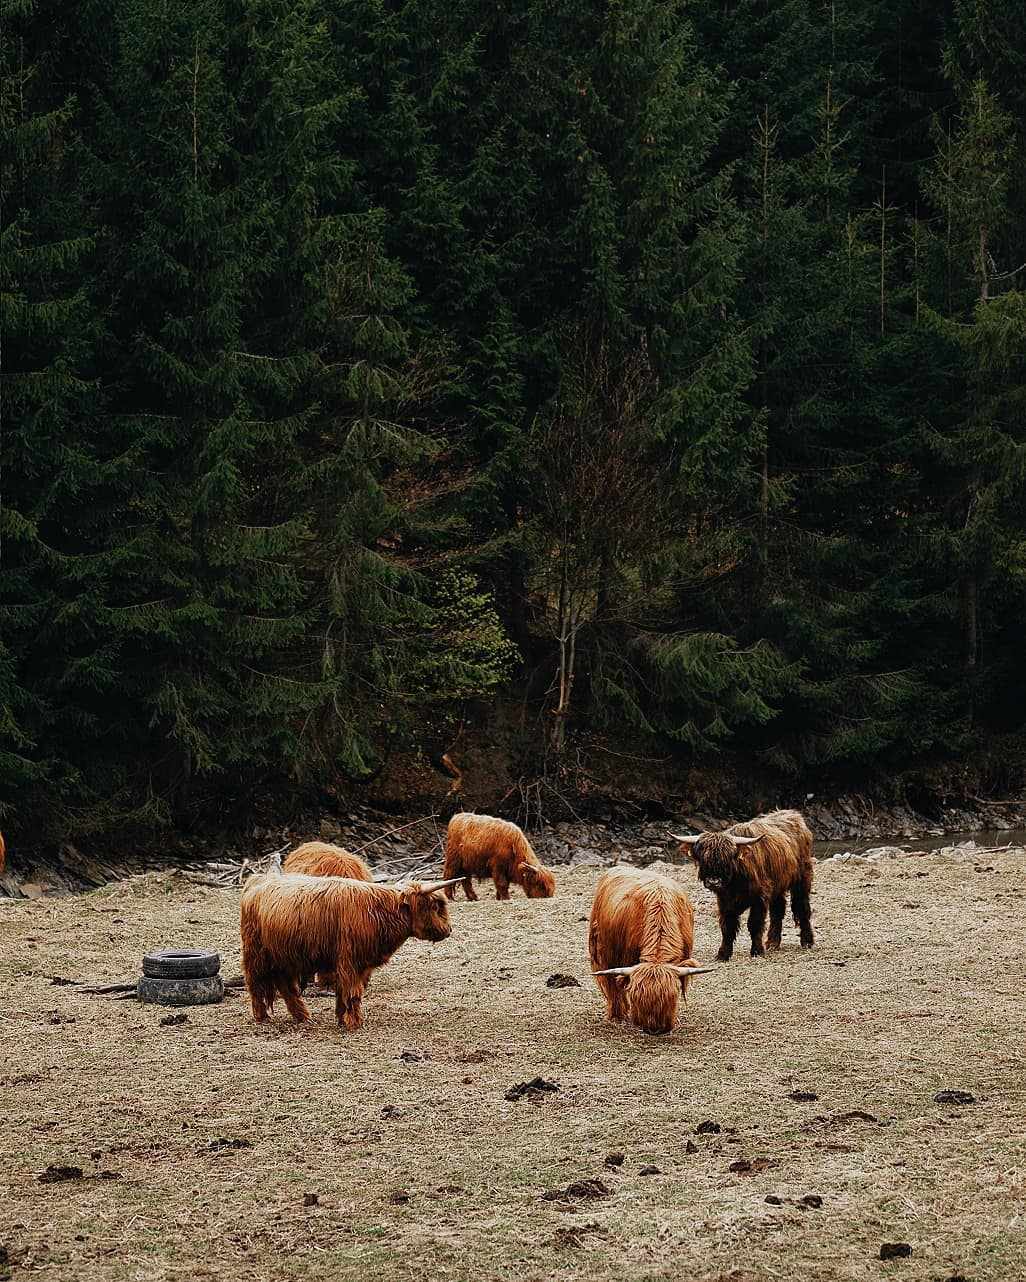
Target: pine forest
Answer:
pixel 651 373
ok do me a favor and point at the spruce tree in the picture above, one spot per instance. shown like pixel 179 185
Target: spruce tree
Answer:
pixel 258 360
pixel 974 450
pixel 63 479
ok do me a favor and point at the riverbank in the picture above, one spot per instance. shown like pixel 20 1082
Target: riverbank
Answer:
pixel 396 846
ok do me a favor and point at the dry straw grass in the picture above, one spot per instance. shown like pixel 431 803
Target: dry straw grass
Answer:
pixel 422 1169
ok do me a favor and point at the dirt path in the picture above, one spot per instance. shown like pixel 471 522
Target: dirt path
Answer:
pixel 792 1117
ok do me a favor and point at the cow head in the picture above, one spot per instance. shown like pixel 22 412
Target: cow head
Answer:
pixel 654 990
pixel 538 882
pixel 429 912
pixel 718 856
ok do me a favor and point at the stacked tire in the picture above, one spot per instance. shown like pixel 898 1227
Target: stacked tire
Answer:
pixel 181 977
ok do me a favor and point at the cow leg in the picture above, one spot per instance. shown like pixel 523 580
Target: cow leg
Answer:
pixel 261 998
pixel 351 1016
pixel 778 905
pixel 501 884
pixel 730 922
pixel 757 926
pixel 348 1000
pixel 451 868
pixel 293 999
pixel 349 1010
pixel 802 910
pixel 454 868
pixel 616 1004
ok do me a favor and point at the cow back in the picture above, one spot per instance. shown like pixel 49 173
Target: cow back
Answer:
pixel 321 859
pixel 783 854
pixel 639 915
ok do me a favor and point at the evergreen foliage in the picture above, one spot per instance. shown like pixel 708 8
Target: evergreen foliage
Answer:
pixel 663 364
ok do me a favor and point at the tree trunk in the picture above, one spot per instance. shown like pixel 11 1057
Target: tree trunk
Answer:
pixel 971 646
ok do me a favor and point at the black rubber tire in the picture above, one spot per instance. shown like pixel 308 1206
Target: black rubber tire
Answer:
pixel 181 963
pixel 180 992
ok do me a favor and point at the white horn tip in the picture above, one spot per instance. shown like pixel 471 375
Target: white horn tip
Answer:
pixel 439 885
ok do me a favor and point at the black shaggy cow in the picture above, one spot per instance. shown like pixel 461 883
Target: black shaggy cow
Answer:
pixel 752 867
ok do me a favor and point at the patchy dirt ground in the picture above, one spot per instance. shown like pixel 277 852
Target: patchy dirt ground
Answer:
pixel 788 1129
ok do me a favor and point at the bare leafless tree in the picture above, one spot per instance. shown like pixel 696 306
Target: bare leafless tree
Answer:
pixel 600 497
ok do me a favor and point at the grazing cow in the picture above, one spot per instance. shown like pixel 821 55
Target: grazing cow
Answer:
pixel 754 866
pixel 480 846
pixel 294 926
pixel 319 859
pixel 639 937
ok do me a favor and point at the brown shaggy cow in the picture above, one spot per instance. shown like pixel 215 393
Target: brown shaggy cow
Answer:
pixel 639 937
pixel 754 866
pixel 480 846
pixel 319 859
pixel 294 926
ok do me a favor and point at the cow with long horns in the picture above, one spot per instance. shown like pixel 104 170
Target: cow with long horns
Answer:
pixel 640 935
pixel 752 867
pixel 294 926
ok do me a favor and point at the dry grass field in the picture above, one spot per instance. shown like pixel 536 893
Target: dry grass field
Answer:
pixel 791 1119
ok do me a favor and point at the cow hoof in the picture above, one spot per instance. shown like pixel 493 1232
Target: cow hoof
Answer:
pixel 722 956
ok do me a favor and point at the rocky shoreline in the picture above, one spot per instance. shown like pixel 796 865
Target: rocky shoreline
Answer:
pixel 398 848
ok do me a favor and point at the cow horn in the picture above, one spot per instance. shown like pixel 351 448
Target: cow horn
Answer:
pixel 439 885
pixel 694 970
pixel 618 970
pixel 687 841
pixel 744 841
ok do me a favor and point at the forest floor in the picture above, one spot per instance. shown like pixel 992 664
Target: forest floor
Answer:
pixel 790 1127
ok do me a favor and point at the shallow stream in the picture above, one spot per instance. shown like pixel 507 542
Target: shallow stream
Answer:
pixel 983 838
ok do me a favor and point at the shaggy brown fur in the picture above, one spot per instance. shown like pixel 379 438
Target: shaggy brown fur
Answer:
pixel 639 916
pixel 3 850
pixel 319 859
pixel 480 846
pixel 757 877
pixel 294 926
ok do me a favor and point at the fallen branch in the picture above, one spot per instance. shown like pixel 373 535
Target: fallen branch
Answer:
pixel 391 833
